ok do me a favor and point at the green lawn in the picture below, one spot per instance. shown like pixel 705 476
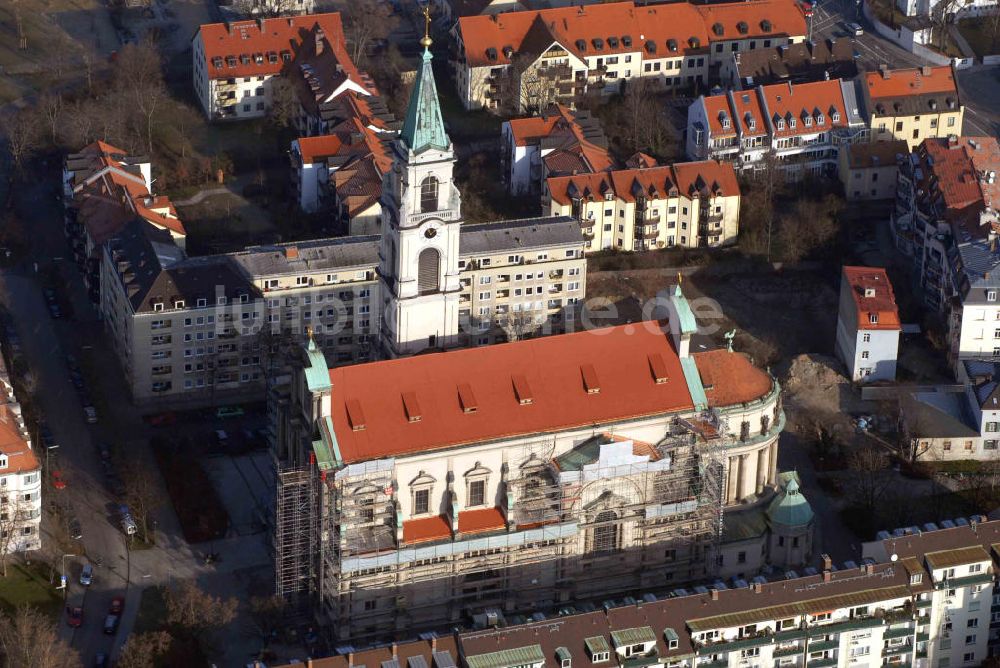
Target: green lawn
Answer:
pixel 978 33
pixel 29 585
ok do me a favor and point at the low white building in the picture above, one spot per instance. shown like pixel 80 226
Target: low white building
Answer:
pixel 868 324
pixel 20 477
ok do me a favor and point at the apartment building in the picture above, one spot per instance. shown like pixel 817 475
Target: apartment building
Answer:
pixel 521 476
pixel 799 128
pixel 871 171
pixel 103 189
pixel 945 220
pixel 913 104
pixel 198 329
pixel 342 173
pixel 921 598
pixel 868 324
pixel 526 60
pixel 801 62
pixel 557 142
pixel 687 205
pixel 20 476
pixel 234 64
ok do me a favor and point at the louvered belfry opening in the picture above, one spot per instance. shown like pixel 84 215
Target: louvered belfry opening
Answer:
pixel 428 271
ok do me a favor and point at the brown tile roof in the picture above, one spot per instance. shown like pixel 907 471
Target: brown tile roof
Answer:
pixel 703 177
pixel 586 30
pixel 957 557
pixel 876 154
pixel 882 304
pixel 402 652
pixel 802 61
pixel 730 378
pixel 817 100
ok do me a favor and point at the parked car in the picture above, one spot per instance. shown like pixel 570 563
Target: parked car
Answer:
pixel 74 616
pixel 128 524
pixel 90 414
pixel 111 624
pixel 855 29
pixel 117 605
pixel 55 311
pixel 58 481
pixel 100 660
pixel 162 419
pixel 75 532
pixel 76 378
pixel 87 575
pixel 228 412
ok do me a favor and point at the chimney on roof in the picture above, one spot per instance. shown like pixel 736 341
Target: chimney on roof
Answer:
pixel 789 86
pixel 434 643
pixel 827 576
pixel 827 562
pixel 926 70
pixel 884 69
pixel 292 253
pixel 350 660
pixel 756 587
pixel 4 413
pixel 395 649
pixel 715 594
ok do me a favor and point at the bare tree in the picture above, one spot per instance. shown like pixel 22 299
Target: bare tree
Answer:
pixel 942 16
pixel 29 640
pixel 870 477
pixel 267 614
pixel 51 106
pixel 265 9
pixel 14 513
pixel 142 492
pixel 807 226
pixel 22 130
pixel 368 21
pixel 144 649
pixel 285 103
pixel 197 612
pixel 139 80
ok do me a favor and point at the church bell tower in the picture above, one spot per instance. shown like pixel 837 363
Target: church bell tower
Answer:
pixel 421 219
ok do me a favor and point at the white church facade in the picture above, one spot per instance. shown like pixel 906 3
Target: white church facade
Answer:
pixel 443 481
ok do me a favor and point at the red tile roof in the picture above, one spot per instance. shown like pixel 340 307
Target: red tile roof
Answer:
pixel 485 37
pixel 707 176
pixel 901 83
pixel 817 100
pixel 20 457
pixel 478 521
pixel 573 153
pixel 746 106
pixel 270 39
pixel 882 303
pixel 426 529
pixel 957 165
pixel 730 378
pixel 550 366
pixel 717 109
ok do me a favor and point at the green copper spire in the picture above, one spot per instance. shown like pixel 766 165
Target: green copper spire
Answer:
pixel 423 127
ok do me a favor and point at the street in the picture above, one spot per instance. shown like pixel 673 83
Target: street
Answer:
pixel 978 84
pixel 118 571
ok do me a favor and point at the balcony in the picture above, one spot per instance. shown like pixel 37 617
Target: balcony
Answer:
pixel 587 224
pixel 556 273
pixel 823 645
pixel 648 233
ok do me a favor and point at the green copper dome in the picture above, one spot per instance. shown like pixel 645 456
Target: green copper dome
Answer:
pixel 317 373
pixel 790 509
pixel 423 127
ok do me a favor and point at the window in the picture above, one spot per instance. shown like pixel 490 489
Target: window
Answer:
pixel 946 446
pixel 421 501
pixel 873 318
pixel 477 493
pixel 969 657
pixel 428 269
pixel 970 639
pixel 991 295
pixel 866 337
pixel 429 194
pixel 606 533
pixel 951 122
pixel 741 558
pixel 864 354
pixel 972 623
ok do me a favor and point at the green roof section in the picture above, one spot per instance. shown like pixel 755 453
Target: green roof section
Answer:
pixel 670 635
pixel 333 446
pixel 508 658
pixel 790 508
pixel 695 387
pixel 324 458
pixel 317 373
pixel 596 644
pixel 627 637
pixel 687 322
pixel 423 127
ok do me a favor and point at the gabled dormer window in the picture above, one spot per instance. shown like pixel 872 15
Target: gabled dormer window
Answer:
pixel 792 123
pixel 158 306
pixel 835 116
pixel 820 119
pixel 781 124
pixel 873 318
pixel 808 121
pixel 202 302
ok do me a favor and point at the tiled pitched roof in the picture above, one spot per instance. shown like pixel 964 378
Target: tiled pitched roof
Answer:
pixel 882 302
pixel 877 154
pixel 913 81
pixel 621 27
pixel 20 457
pixel 261 47
pixel 526 387
pixel 815 102
pixel 794 61
pixel 575 139
pixel 707 176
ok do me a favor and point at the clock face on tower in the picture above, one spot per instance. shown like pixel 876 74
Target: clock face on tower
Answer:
pixel 430 233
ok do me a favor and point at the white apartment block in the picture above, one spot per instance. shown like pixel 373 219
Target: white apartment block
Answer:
pixel 945 219
pixel 526 60
pixel 685 205
pixel 801 126
pixel 868 325
pixel 20 477
pixel 234 63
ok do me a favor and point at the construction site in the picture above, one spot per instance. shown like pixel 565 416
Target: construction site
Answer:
pixel 610 516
